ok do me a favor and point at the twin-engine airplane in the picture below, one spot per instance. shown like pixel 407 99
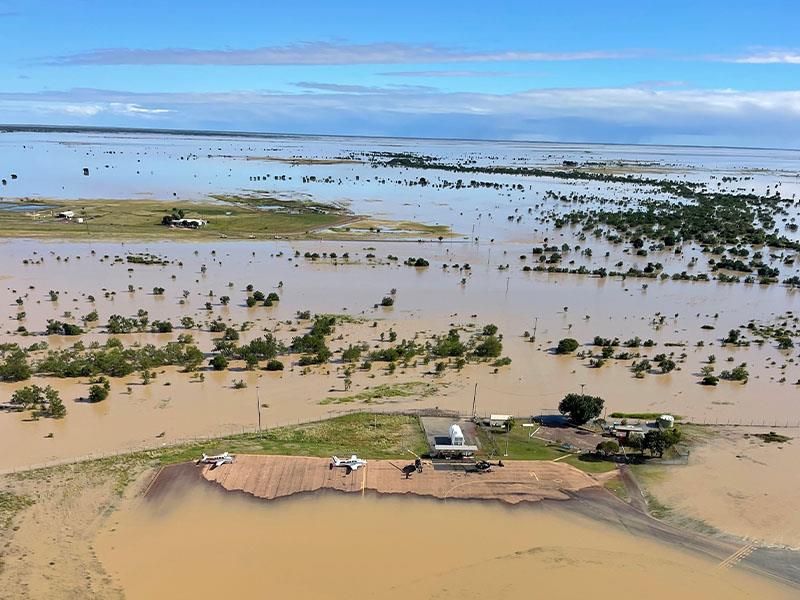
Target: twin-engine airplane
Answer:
pixel 217 460
pixel 351 464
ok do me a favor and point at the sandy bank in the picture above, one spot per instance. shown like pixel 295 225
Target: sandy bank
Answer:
pixel 272 477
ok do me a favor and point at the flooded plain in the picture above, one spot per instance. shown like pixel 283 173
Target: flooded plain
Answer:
pixel 503 227
pixel 206 544
pixel 428 301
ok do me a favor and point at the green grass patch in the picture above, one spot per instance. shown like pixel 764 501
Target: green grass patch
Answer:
pixel 523 447
pixel 381 392
pixel 616 487
pixel 10 505
pixel 590 463
pixel 141 219
pixel 370 435
pixel 645 416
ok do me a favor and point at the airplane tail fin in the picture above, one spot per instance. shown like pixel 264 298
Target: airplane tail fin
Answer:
pixel 336 460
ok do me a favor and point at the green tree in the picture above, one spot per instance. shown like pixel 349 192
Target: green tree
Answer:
pixel 580 407
pixel 98 393
pixel 490 329
pixel 491 346
pixel 15 366
pixel 607 448
pixel 635 441
pixel 219 362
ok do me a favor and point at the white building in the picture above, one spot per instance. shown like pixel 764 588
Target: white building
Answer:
pixel 456 435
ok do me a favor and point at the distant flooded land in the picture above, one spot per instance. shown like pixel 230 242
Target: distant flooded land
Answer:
pixel 631 312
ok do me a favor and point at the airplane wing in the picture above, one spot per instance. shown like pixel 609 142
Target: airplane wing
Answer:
pixel 219 462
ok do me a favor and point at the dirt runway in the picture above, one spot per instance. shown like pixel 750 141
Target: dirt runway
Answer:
pixel 519 481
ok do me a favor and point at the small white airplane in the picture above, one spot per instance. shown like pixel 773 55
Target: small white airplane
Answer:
pixel 217 460
pixel 351 464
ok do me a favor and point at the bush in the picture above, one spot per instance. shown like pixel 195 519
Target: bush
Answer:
pixel 450 345
pixel 387 301
pixel 98 393
pixel 15 367
pixel 567 346
pixel 491 346
pixel 46 400
pixel 709 380
pixel 351 353
pixel 737 374
pixel 274 365
pixel 219 362
pixel 161 327
pixel 490 329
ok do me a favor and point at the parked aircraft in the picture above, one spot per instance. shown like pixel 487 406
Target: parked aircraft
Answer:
pixel 217 460
pixel 351 464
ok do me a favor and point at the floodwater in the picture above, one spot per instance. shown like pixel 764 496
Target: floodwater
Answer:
pixel 428 300
pixel 739 485
pixel 207 544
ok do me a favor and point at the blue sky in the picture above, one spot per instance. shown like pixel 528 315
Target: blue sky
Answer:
pixel 712 72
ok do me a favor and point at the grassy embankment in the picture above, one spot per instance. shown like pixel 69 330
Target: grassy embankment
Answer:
pixel 233 217
pixel 647 475
pixel 523 447
pixel 373 436
pixel 642 416
pixel 141 219
pixel 381 392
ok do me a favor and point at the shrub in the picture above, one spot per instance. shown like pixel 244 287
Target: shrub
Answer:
pixel 351 353
pixel 98 393
pixel 567 346
pixel 491 346
pixel 274 365
pixel 15 367
pixel 219 362
pixel 709 380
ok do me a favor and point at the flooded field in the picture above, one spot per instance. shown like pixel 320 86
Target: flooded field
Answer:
pixel 444 266
pixel 203 544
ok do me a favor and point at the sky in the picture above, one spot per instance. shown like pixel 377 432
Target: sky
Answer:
pixel 706 72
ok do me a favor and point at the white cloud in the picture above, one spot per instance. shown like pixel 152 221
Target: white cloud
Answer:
pixel 463 73
pixel 767 56
pixel 321 53
pixel 629 114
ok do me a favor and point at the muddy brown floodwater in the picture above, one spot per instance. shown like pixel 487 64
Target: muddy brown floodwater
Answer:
pixel 204 543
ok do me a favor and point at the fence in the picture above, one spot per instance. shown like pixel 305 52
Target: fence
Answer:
pixel 421 412
pixel 221 433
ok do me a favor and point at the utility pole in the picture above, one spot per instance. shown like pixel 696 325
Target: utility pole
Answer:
pixel 258 403
pixel 474 400
pixel 535 325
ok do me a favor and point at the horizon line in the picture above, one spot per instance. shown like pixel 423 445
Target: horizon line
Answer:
pixel 33 128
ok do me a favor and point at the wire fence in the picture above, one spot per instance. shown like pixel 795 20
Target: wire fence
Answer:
pixel 222 432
